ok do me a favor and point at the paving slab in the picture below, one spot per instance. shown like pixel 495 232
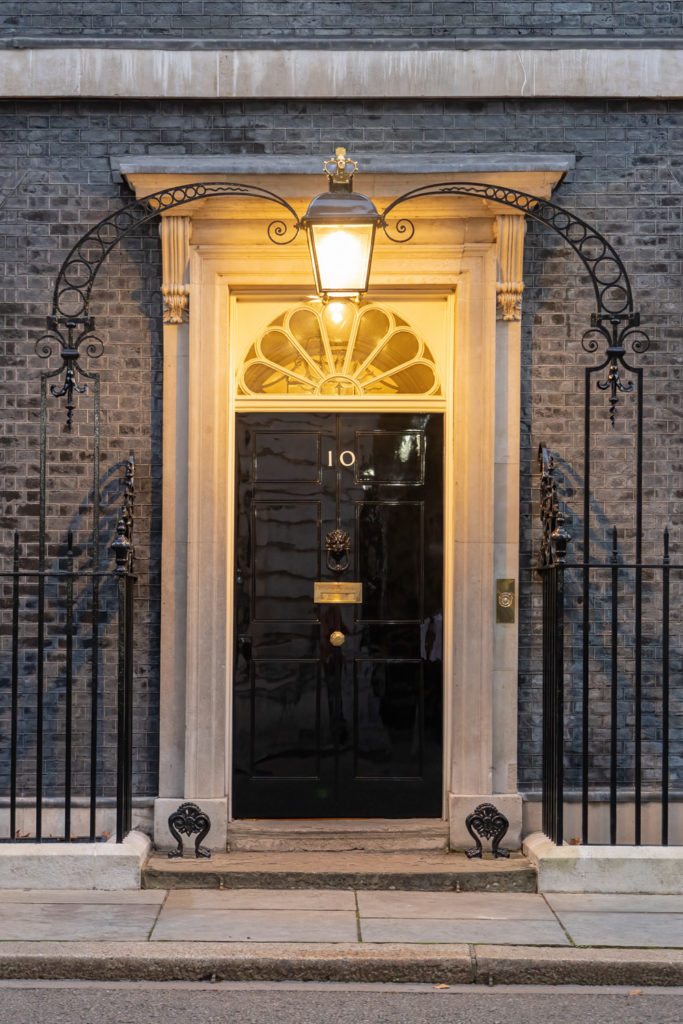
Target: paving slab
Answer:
pixel 618 903
pixel 116 897
pixel 76 921
pixel 392 929
pixel 235 925
pixel 449 905
pixel 622 929
pixel 261 899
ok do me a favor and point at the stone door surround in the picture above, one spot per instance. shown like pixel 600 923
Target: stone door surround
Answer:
pixel 216 249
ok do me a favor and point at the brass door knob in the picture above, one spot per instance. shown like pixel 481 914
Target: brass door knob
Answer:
pixel 337 638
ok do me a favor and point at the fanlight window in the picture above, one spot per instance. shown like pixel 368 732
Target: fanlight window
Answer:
pixel 339 349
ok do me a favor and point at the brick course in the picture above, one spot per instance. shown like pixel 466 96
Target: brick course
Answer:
pixel 338 19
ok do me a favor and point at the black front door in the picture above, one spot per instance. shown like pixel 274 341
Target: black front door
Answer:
pixel 338 705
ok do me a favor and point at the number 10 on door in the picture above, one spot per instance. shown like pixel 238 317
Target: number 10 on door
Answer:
pixel 347 458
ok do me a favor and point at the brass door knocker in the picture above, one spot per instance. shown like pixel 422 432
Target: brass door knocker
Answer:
pixel 337 545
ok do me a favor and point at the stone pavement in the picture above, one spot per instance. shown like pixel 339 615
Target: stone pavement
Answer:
pixel 327 934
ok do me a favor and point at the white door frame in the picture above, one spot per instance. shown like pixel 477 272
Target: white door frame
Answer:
pixel 442 349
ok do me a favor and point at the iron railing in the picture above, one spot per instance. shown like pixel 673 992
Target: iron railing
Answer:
pixel 67 656
pixel 612 686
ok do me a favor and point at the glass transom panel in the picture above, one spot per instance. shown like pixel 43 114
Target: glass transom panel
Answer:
pixel 341 348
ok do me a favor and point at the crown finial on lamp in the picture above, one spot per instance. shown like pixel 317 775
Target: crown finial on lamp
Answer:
pixel 340 225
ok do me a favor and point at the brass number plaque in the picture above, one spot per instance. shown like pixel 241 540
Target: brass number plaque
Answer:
pixel 325 592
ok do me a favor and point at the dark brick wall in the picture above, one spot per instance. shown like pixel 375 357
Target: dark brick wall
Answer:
pixel 339 19
pixel 55 182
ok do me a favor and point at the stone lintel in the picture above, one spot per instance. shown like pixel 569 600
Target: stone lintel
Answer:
pixel 340 74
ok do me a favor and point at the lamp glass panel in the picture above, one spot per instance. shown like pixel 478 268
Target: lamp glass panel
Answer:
pixel 342 255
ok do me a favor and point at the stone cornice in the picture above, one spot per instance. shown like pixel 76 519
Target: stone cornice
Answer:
pixel 432 164
pixel 90 72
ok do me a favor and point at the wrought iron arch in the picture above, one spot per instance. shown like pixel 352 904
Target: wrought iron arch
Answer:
pixel 605 268
pixel 73 288
pixel 71 325
pixel 615 322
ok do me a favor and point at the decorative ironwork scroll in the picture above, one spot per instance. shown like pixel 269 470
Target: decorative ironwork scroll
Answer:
pixel 615 322
pixel 187 820
pixel 555 536
pixel 122 545
pixel 69 334
pixel 73 288
pixel 617 336
pixel 487 821
pixel 607 272
pixel 70 324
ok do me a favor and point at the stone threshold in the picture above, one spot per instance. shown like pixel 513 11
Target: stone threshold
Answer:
pixel 337 834
pixel 428 871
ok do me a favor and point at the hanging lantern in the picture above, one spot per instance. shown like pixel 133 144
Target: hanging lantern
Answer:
pixel 340 225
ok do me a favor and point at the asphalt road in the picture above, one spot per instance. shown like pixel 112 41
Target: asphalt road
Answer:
pixel 35 1002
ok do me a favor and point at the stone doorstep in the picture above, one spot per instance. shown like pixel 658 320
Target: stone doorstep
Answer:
pixel 74 865
pixel 605 869
pixel 423 871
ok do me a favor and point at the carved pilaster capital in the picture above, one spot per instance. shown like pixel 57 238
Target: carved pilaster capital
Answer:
pixel 176 298
pixel 175 258
pixel 510 230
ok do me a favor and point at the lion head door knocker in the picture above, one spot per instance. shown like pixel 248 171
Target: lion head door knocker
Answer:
pixel 337 545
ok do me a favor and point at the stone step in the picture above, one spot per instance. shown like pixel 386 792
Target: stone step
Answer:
pixel 338 835
pixel 430 870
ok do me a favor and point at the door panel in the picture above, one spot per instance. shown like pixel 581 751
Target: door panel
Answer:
pixel 286 557
pixel 353 730
pixel 390 563
pixel 389 699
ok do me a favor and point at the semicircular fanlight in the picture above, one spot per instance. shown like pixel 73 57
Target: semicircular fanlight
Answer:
pixel 342 348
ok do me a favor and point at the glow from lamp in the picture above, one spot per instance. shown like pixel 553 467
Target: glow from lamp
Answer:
pixel 341 257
